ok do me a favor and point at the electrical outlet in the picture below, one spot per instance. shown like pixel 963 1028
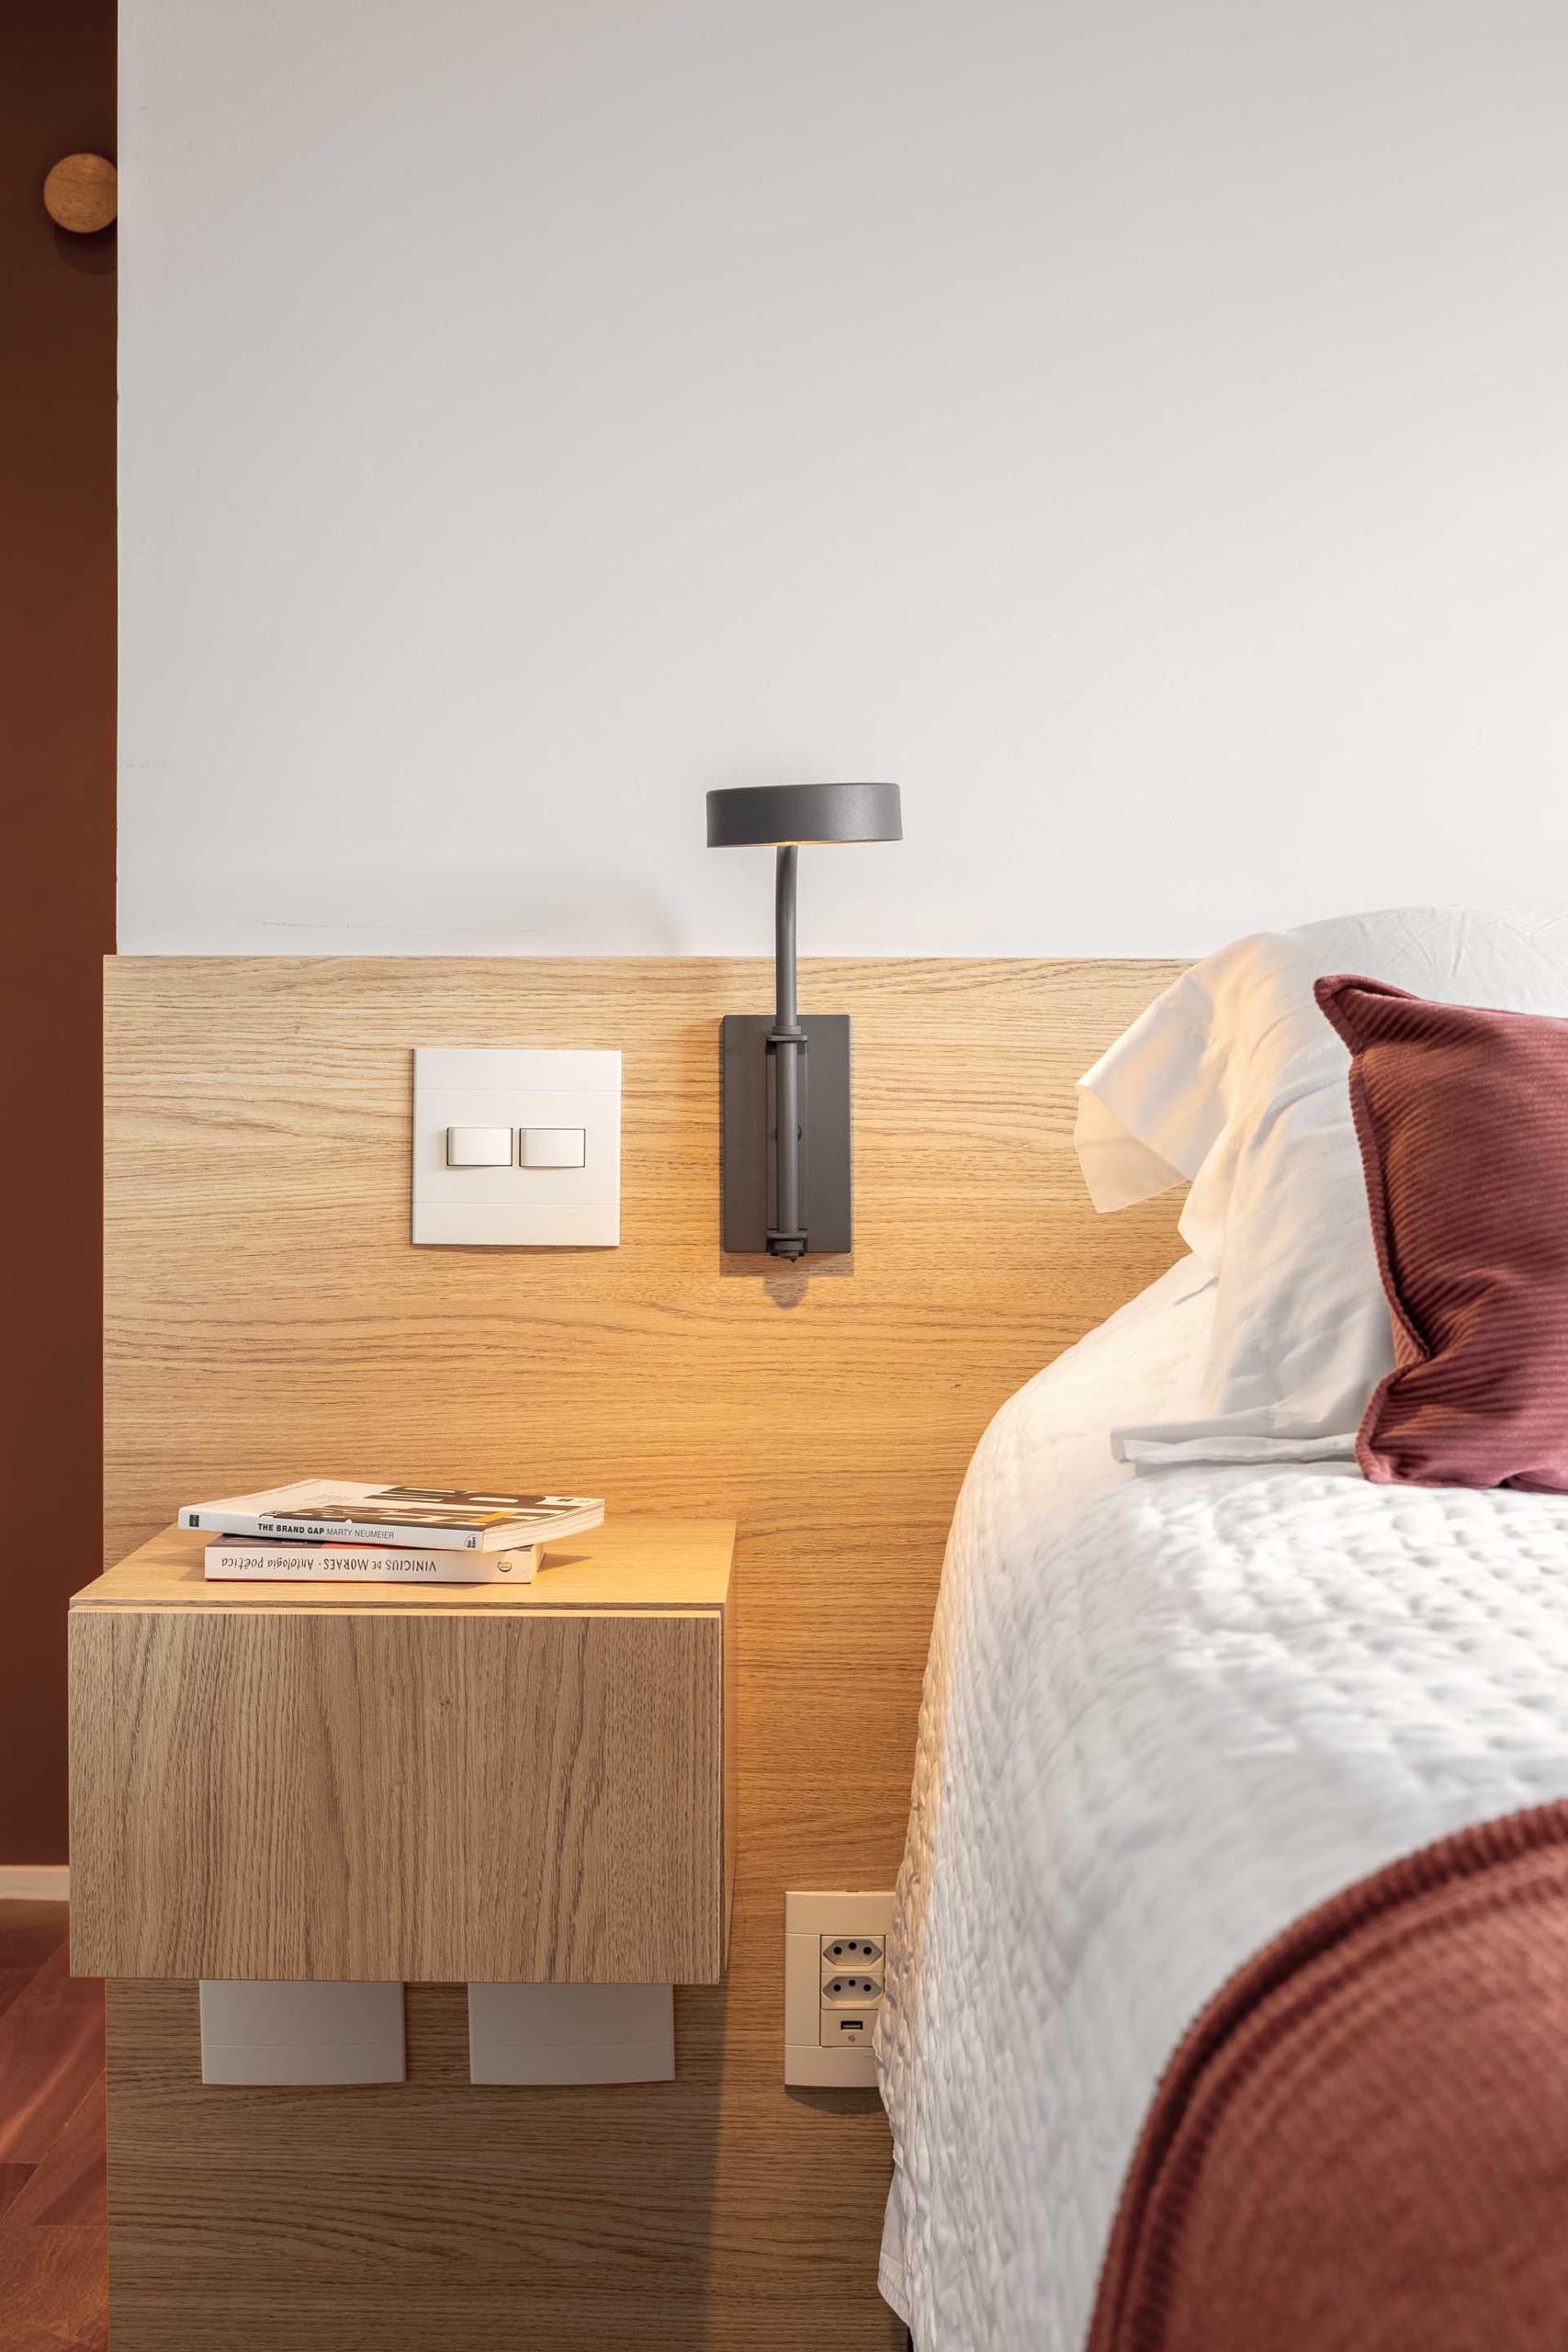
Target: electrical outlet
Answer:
pixel 835 1959
pixel 845 1992
pixel 848 2017
pixel 852 1952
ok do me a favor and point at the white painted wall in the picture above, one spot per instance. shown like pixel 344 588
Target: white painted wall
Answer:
pixel 1141 427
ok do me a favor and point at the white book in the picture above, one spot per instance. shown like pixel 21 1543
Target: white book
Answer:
pixel 427 1519
pixel 364 1563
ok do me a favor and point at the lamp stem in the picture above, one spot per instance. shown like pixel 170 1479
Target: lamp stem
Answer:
pixel 785 1024
pixel 787 1237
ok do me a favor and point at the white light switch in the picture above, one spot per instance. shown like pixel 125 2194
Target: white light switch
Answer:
pixel 554 1147
pixel 516 1147
pixel 478 1146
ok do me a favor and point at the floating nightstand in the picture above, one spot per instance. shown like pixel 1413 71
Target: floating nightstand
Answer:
pixel 468 1782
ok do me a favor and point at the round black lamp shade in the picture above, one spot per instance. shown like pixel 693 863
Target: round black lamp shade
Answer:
pixel 755 816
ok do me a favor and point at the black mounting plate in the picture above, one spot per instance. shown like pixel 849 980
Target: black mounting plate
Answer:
pixel 745 1068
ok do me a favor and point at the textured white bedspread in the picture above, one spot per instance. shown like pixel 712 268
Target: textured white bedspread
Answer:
pixel 1165 1712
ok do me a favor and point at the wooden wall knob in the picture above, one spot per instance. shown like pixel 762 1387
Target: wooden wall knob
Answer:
pixel 82 193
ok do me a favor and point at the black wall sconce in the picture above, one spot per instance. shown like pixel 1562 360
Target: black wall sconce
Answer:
pixel 786 1174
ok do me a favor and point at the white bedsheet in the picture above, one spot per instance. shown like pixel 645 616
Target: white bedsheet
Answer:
pixel 1165 1712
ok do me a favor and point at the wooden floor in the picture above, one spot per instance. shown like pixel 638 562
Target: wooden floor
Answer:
pixel 51 2140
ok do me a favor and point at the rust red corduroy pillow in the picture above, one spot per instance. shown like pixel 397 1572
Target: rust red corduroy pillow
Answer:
pixel 1462 1119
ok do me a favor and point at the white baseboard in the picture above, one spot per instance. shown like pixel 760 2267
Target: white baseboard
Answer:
pixel 34 1882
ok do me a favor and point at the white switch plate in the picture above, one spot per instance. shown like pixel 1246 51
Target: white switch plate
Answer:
pixel 513 1206
pixel 278 2033
pixel 809 1918
pixel 571 2033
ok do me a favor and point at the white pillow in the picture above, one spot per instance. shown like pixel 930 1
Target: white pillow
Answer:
pixel 1233 1077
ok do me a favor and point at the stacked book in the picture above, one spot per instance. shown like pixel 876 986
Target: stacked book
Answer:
pixel 336 1530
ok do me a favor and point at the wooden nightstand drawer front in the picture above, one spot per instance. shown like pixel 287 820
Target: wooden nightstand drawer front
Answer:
pixel 381 1795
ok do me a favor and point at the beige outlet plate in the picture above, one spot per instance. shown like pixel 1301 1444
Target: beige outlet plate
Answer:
pixel 819 2052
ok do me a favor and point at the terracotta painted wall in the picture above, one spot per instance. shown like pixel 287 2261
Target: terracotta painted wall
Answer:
pixel 57 809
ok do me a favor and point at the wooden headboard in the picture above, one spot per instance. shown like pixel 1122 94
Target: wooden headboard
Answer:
pixel 266 1316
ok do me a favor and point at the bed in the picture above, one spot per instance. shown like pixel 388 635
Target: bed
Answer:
pixel 1173 1708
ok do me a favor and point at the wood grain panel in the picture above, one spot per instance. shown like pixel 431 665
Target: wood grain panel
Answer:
pixel 427 2215
pixel 403 1793
pixel 267 1318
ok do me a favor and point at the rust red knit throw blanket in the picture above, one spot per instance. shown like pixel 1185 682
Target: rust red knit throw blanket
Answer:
pixel 1361 2145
